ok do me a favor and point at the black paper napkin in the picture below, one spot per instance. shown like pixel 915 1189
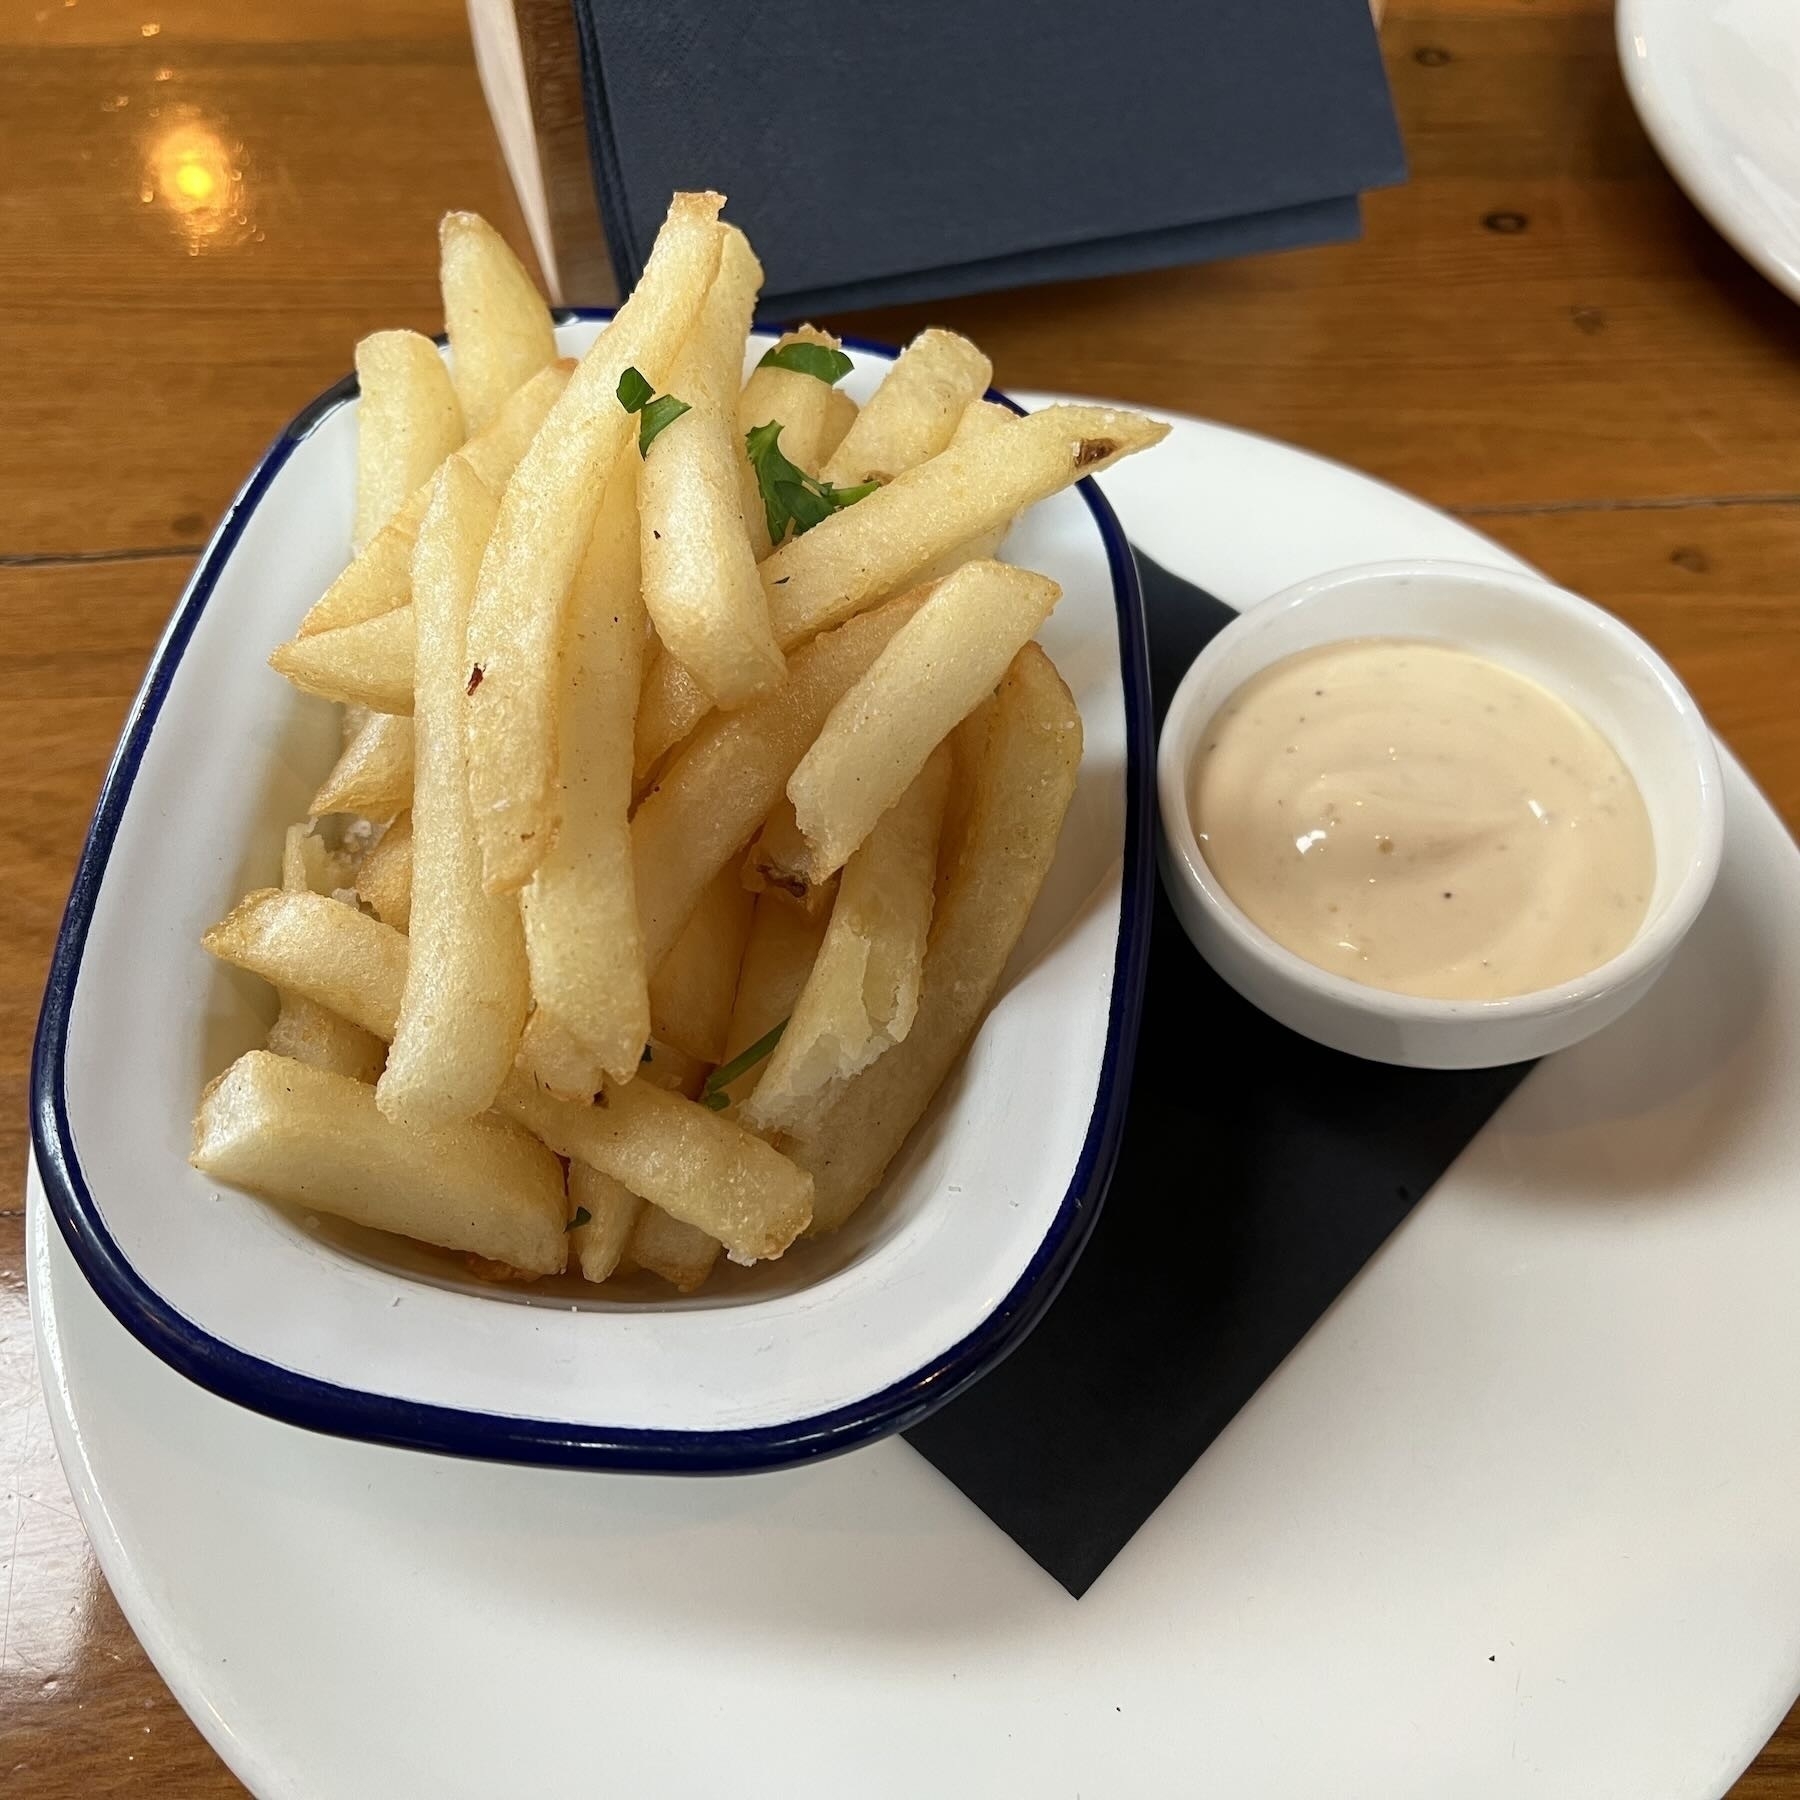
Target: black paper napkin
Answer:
pixel 881 153
pixel 1259 1173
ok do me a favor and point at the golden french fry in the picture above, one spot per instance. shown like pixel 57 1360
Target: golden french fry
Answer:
pixel 801 405
pixel 598 1241
pixel 700 583
pixel 850 560
pixel 726 782
pixel 467 991
pixel 914 412
pixel 580 907
pixel 499 327
pixel 691 994
pixel 783 945
pixel 840 415
pixel 379 577
pixel 1026 781
pixel 407 422
pixel 694 1163
pixel 546 518
pixel 303 1029
pixel 671 705
pixel 980 419
pixel 310 944
pixel 311 1138
pixel 374 775
pixel 384 876
pixel 369 663
pixel 968 749
pixel 863 992
pixel 666 1067
pixel 934 672
pixel 778 859
pixel 680 1253
pixel 308 1033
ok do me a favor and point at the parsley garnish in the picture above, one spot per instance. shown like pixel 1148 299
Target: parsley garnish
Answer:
pixel 653 415
pixel 582 1217
pixel 789 495
pixel 713 1094
pixel 818 360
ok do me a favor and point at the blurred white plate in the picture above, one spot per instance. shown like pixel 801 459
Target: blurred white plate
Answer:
pixel 1717 85
pixel 1516 1519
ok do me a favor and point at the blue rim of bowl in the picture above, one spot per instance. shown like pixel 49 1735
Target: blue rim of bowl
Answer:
pixel 323 1406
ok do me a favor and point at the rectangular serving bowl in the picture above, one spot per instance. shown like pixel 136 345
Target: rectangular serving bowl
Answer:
pixel 845 1339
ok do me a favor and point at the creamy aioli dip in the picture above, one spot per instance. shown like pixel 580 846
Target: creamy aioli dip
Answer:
pixel 1420 819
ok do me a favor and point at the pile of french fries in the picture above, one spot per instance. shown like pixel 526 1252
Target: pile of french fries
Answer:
pixel 699 773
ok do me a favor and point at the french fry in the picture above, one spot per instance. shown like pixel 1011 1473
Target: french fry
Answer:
pixel 914 412
pixel 933 672
pixel 467 990
pixel 694 1163
pixel 779 858
pixel 802 405
pixel 691 994
pixel 407 422
pixel 681 1254
pixel 700 584
pixel 384 877
pixel 840 415
pixel 546 518
pixel 369 663
pixel 379 577
pixel 683 1157
pixel 980 419
pixel 968 749
pixel 671 705
pixel 314 1139
pixel 863 992
pixel 303 1029
pixel 876 547
pixel 374 775
pixel 310 944
pixel 1026 781
pixel 674 1070
pixel 597 1242
pixel 726 782
pixel 499 327
pixel 580 907
pixel 783 945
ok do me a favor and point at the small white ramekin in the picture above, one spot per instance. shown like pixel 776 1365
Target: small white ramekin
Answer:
pixel 1573 648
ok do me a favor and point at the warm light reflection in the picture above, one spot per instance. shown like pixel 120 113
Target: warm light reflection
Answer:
pixel 196 175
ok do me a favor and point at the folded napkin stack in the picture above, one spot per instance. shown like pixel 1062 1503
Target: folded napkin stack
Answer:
pixel 941 147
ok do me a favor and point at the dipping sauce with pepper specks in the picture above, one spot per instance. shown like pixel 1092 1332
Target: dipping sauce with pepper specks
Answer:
pixel 1420 819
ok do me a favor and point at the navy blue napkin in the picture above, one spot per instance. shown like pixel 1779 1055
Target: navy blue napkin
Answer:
pixel 1259 1172
pixel 901 152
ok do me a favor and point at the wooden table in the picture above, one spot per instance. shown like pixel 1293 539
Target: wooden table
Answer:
pixel 1537 333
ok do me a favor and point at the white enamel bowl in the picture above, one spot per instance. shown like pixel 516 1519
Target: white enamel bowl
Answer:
pixel 841 1341
pixel 1573 648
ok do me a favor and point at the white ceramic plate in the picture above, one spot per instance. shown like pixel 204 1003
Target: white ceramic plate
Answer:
pixel 1516 1520
pixel 840 1341
pixel 1717 85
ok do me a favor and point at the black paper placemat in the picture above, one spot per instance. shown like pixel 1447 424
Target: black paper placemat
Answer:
pixel 869 145
pixel 1259 1173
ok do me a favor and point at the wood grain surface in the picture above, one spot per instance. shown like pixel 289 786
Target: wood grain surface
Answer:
pixel 1537 332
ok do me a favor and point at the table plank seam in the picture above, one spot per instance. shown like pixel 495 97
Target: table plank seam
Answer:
pixel 1505 509
pixel 49 559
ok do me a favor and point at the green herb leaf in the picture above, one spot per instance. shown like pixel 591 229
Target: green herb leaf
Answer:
pixel 582 1217
pixel 817 360
pixel 634 391
pixel 664 410
pixel 713 1094
pixel 789 495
